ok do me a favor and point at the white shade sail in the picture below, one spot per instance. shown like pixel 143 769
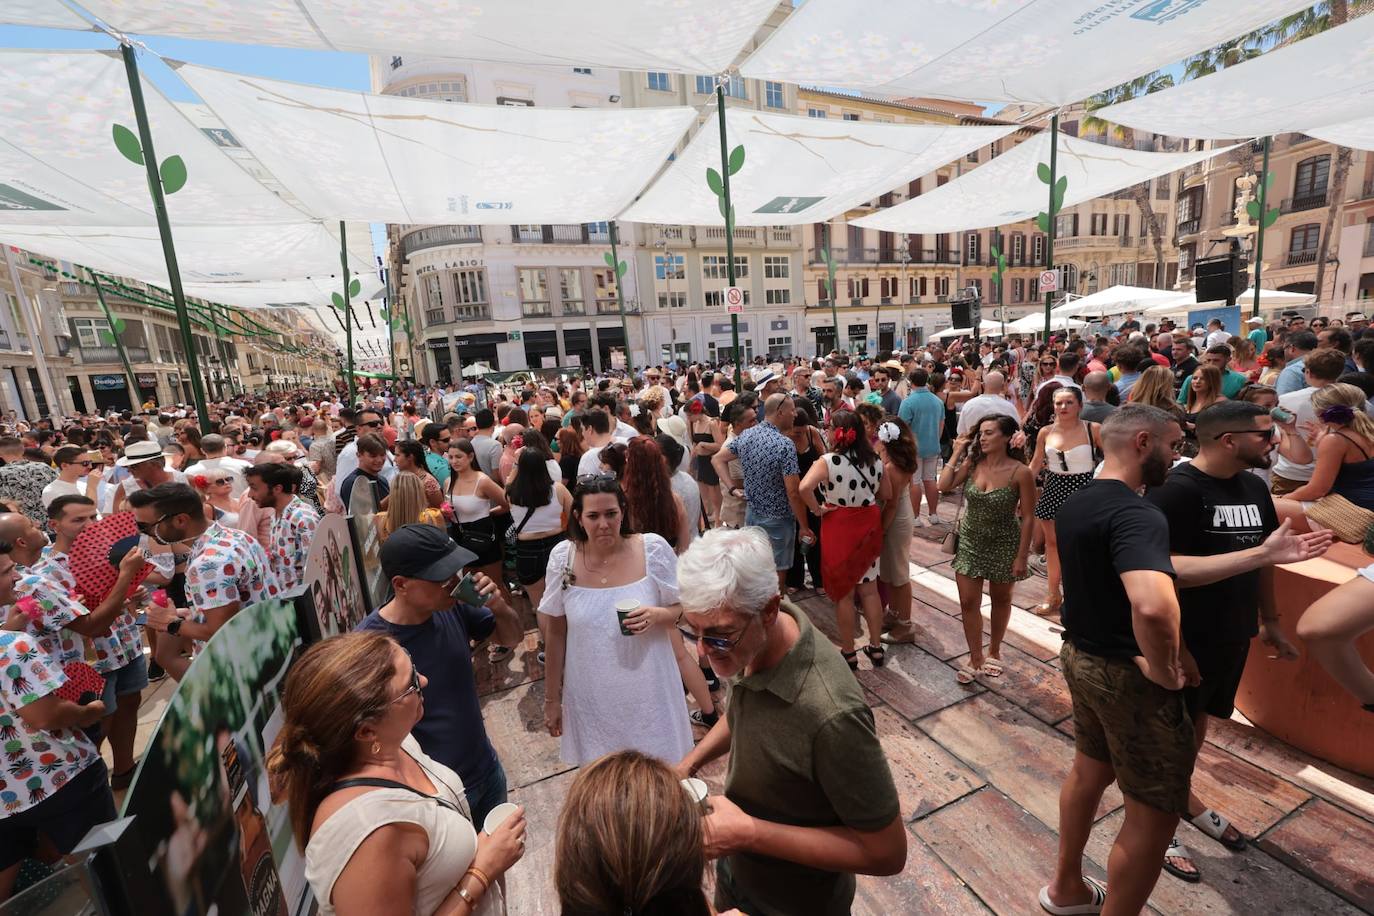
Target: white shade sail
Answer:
pixel 1323 80
pixel 1033 323
pixel 382 158
pixel 1269 298
pixel 59 165
pixel 986 326
pixel 704 36
pixel 801 170
pixel 1115 300
pixel 1357 134
pixel 42 13
pixel 1006 190
pixel 1049 52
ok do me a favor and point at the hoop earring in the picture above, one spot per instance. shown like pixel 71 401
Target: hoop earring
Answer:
pixel 376 748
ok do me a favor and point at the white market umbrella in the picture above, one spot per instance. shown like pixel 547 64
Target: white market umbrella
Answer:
pixel 477 369
pixel 1269 298
pixel 1116 300
pixel 1033 323
pixel 987 327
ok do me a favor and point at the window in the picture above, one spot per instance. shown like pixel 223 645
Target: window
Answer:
pixel 470 286
pixel 1310 177
pixel 772 95
pixel 585 71
pixel 735 88
pixel 850 116
pixel 92 332
pixel 858 287
pixel 713 267
pixel 776 267
pixel 724 352
pixel 716 297
pixel 815 113
pixel 1099 224
pixel 777 297
pixel 741 266
pixel 705 85
pixel 1304 238
pixel 570 290
pixel 599 232
pixel 434 291
pixel 397 63
pixel 1018 290
pixel 974 243
pixel 659 81
pixel 1038 250
pixel 779 348
pixel 511 102
pixel 534 284
pixel 977 285
pixel 672 300
pixel 942 286
pixel 444 90
pixel 1018 249
pixel 670 267
pixel 972 156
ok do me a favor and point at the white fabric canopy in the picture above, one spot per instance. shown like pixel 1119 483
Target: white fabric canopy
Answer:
pixel 1357 134
pixel 1323 80
pixel 1049 52
pixel 399 160
pixel 702 37
pixel 43 13
pixel 801 170
pixel 1116 300
pixel 987 326
pixel 1269 298
pixel 1006 189
pixel 59 165
pixel 1032 323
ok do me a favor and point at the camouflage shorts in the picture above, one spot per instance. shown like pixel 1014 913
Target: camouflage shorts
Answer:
pixel 1123 718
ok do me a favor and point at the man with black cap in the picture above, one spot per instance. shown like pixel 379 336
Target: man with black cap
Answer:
pixel 424 566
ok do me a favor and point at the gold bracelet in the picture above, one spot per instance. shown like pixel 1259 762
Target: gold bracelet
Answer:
pixel 480 876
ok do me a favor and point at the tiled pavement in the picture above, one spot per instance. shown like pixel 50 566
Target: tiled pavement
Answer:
pixel 978 771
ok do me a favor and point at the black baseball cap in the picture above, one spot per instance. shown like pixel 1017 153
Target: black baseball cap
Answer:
pixel 423 551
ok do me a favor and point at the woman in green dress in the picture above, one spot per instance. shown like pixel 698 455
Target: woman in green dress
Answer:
pixel 994 533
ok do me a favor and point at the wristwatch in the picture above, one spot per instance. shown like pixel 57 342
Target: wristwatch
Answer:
pixel 174 627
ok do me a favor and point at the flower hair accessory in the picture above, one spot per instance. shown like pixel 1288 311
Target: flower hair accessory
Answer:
pixel 696 406
pixel 517 442
pixel 889 432
pixel 201 481
pixel 634 409
pixel 1339 414
pixel 845 437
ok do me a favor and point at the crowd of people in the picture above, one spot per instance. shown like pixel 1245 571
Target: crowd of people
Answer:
pixel 647 529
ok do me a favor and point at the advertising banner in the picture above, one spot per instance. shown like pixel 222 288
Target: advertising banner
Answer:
pixel 333 584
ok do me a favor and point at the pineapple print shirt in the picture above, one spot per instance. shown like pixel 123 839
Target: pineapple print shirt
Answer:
pixel 37 762
pixel 227 565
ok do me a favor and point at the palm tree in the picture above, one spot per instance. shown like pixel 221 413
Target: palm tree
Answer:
pixel 1228 54
pixel 1141 85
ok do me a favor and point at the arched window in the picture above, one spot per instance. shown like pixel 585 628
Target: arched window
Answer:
pixel 1310 178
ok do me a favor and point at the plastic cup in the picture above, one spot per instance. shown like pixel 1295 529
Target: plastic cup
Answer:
pixel 623 609
pixel 497 816
pixel 697 789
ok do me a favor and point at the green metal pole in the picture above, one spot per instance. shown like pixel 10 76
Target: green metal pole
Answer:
pixel 219 339
pixel 391 327
pixel 830 274
pixel 1259 232
pixel 164 229
pixel 134 393
pixel 1049 236
pixel 348 312
pixel 620 293
pixel 1001 281
pixel 729 230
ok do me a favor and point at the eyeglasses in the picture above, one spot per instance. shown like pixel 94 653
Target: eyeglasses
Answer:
pixel 149 527
pixel 414 684
pixel 716 643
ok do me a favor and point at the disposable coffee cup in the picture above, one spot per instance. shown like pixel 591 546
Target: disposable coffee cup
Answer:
pixel 497 816
pixel 624 609
pixel 696 788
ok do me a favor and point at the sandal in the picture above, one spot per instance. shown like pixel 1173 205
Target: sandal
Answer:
pixel 1046 609
pixel 876 654
pixel 965 674
pixel 498 654
pixel 1092 907
pixel 704 719
pixel 903 631
pixel 1177 850
pixel 992 667
pixel 852 658
pixel 1216 826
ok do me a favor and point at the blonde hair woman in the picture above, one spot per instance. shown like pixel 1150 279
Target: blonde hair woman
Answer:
pixel 1345 461
pixel 407 505
pixel 1155 388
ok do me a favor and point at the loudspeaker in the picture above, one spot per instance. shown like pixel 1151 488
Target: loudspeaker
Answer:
pixel 961 313
pixel 1223 277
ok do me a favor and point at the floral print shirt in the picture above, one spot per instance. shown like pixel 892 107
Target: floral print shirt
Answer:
pixel 23 482
pixel 105 654
pixel 37 762
pixel 292 532
pixel 227 565
pixel 57 606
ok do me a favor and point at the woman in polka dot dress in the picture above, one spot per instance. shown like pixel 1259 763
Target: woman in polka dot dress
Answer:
pixel 850 476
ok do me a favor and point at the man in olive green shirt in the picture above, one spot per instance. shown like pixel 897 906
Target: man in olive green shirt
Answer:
pixel 809 800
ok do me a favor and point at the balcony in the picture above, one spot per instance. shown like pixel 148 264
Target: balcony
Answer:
pixel 888 256
pixel 111 354
pixel 1094 241
pixel 560 235
pixel 783 235
pixel 1300 258
pixel 1305 202
pixel 436 236
pixel 536 309
pixel 478 311
pixel 716 234
pixel 435 316
pixel 1189 226
pixel 1193 175
pixel 574 307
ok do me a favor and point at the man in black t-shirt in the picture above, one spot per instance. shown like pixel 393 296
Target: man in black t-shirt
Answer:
pixel 1124 665
pixel 1224 539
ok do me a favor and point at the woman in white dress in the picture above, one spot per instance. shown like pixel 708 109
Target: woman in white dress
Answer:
pixel 606 691
pixel 385 828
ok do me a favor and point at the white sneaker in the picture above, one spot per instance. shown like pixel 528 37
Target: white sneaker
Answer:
pixel 920 521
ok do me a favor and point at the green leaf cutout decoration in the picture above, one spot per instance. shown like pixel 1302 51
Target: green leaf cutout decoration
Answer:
pixel 1252 208
pixel 173 174
pixel 119 325
pixel 355 287
pixel 1043 171
pixel 1001 262
pixel 127 144
pixel 385 313
pixel 995 252
pixel 736 159
pixel 620 269
pixel 337 299
pixel 106 338
pixel 1270 217
pixel 1043 221
pixel 1268 180
pixel 714 183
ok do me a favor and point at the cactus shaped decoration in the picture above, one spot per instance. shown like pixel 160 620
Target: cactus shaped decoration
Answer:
pixel 829 260
pixel 1000 260
pixel 1042 219
pixel 1253 207
pixel 717 186
pixel 172 171
pixel 618 267
pixel 354 288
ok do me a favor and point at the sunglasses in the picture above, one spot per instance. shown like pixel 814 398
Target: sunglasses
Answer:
pixel 1270 433
pixel 593 478
pixel 221 480
pixel 371 423
pixel 149 527
pixel 718 644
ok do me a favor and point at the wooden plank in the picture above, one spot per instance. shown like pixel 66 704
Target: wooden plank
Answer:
pixel 1030 684
pixel 926 885
pixel 515 724
pixel 1014 751
pixel 1002 852
pixel 1250 881
pixel 939 634
pixel 1036 636
pixel 914 683
pixel 1251 797
pixel 926 775
pixel 529 883
pixel 1330 845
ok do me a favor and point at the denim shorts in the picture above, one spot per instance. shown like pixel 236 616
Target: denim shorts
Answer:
pixel 782 536
pixel 121 682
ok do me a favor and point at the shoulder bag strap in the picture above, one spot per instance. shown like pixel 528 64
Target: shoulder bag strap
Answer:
pixel 529 512
pixel 864 477
pixel 1092 443
pixel 378 783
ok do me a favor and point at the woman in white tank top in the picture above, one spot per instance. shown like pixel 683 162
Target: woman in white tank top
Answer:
pixel 1067 451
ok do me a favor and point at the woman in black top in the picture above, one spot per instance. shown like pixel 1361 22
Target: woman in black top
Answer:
pixel 807 439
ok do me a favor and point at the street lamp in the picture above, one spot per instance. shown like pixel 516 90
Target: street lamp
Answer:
pixel 906 259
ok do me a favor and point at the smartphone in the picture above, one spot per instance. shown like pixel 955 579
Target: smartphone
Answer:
pixel 466 591
pixel 1280 415
pixel 141 619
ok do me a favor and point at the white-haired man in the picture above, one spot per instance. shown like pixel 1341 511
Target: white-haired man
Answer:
pixel 809 800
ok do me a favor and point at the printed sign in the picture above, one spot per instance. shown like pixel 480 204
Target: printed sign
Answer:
pixel 1049 281
pixel 331 578
pixel 107 382
pixel 734 299
pixel 789 204
pixel 11 198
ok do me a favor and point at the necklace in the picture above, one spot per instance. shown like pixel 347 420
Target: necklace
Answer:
pixel 599 569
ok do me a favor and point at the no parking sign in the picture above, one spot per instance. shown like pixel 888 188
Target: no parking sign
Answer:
pixel 734 299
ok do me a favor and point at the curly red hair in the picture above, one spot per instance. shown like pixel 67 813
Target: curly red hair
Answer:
pixel 649 489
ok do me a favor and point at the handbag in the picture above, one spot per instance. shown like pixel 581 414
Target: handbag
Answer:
pixel 512 536
pixel 1346 520
pixel 950 543
pixel 478 536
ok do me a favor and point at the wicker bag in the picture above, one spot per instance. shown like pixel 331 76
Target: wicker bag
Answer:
pixel 1346 520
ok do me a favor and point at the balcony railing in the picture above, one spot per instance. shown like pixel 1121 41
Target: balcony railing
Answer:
pixel 435 236
pixel 1094 241
pixel 1305 202
pixel 5 340
pixel 890 256
pixel 111 354
pixel 742 234
pixel 480 311
pixel 1300 258
pixel 559 235
pixel 1189 226
pixel 574 307
pixel 536 309
pixel 435 316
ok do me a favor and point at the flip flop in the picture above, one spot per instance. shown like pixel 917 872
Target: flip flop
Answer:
pixel 1094 906
pixel 992 667
pixel 965 675
pixel 1215 826
pixel 1177 850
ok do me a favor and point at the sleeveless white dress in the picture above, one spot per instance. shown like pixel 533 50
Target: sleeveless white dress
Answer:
pixel 619 692
pixel 452 838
